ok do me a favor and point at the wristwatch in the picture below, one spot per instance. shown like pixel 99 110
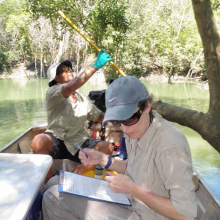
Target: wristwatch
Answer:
pixel 109 163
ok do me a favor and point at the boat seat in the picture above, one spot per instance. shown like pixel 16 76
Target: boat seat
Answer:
pixel 25 145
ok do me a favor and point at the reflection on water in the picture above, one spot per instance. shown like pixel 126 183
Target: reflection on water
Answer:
pixel 22 105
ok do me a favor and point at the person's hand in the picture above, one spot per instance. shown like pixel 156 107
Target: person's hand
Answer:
pixel 90 157
pixel 120 183
pixel 102 59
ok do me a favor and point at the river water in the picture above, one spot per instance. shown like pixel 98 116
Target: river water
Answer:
pixel 22 105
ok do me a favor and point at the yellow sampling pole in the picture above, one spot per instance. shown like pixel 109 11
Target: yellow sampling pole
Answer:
pixel 88 40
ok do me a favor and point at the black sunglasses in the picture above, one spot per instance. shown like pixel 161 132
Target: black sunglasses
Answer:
pixel 133 119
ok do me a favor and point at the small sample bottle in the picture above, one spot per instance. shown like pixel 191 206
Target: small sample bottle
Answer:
pixel 98 171
pixel 122 149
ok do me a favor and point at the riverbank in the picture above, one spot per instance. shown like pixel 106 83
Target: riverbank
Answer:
pixel 163 79
pixel 21 71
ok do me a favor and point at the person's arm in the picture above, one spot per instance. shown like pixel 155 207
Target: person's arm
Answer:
pixel 101 117
pixel 124 184
pixel 159 204
pixel 78 81
pixel 93 157
pixel 116 165
pixel 85 74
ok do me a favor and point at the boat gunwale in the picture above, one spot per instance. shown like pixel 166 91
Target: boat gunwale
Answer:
pixel 210 191
pixel 16 139
pixel 37 126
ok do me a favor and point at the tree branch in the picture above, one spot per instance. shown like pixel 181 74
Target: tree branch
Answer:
pixel 180 115
pixel 206 125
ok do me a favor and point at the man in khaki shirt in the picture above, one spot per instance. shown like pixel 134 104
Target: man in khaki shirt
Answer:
pixel 67 112
pixel 157 177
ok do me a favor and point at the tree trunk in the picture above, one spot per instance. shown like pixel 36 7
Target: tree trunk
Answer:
pixel 211 44
pixel 206 124
pixel 41 62
pixel 24 57
pixel 60 52
pixel 35 63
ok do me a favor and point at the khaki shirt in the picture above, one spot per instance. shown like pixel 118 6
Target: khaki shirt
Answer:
pixel 66 119
pixel 161 163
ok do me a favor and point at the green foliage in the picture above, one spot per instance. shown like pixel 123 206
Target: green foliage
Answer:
pixel 142 36
pixel 14 33
pixel 3 61
pixel 163 37
pixel 104 22
pixel 94 16
pixel 215 4
pixel 108 16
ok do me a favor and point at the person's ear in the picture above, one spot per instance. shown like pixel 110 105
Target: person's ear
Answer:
pixel 148 107
pixel 56 79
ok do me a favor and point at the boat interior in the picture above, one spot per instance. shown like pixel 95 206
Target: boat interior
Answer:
pixel 208 203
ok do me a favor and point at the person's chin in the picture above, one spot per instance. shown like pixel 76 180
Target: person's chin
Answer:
pixel 132 135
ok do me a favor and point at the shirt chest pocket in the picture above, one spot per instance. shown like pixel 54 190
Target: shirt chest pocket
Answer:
pixel 144 171
pixel 140 167
pixel 136 168
pixel 78 113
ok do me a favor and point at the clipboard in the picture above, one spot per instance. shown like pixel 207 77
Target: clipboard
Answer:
pixel 89 187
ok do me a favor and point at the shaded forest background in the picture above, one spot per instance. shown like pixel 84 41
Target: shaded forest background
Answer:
pixel 143 37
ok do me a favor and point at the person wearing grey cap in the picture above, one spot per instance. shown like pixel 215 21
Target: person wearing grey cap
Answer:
pixel 67 112
pixel 156 177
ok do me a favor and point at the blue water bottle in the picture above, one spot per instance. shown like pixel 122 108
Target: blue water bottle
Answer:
pixel 122 148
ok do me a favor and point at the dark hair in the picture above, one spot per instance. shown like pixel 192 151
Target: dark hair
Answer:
pixel 149 100
pixel 52 83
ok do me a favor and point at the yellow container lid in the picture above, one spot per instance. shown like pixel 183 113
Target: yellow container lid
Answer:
pixel 91 173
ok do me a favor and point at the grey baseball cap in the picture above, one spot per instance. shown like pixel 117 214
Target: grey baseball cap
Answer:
pixel 52 70
pixel 122 98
